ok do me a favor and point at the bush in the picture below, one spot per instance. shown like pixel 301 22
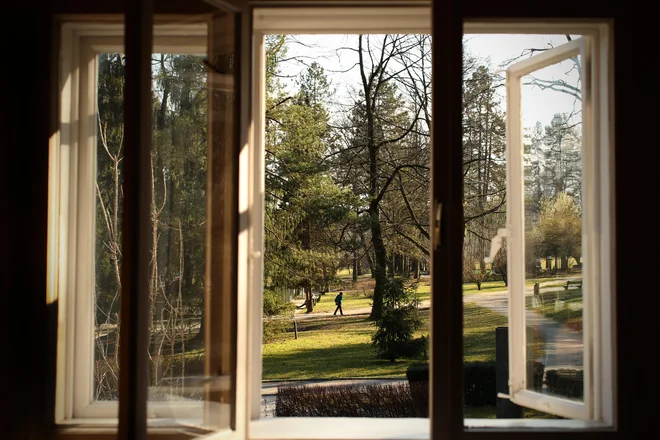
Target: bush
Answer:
pixel 276 309
pixel 479 382
pixel 275 303
pixel 417 372
pixel 391 400
pixel 479 379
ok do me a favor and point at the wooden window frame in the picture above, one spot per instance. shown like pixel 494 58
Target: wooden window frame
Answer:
pixel 446 420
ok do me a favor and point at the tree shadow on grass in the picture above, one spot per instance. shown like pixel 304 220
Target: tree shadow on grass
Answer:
pixel 339 361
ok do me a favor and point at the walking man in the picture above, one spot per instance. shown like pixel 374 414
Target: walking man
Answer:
pixel 338 299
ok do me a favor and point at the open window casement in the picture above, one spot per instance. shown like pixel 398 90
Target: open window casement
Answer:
pixel 220 41
pixel 544 354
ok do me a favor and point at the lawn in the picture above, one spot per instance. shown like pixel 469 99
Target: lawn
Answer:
pixel 327 347
pixel 489 286
pixel 479 326
pixel 340 347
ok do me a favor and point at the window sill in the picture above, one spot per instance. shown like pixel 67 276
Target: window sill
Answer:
pixel 299 428
pixel 100 429
pixel 523 424
pixel 327 428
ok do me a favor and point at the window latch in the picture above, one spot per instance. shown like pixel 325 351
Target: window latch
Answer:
pixel 437 225
pixel 496 244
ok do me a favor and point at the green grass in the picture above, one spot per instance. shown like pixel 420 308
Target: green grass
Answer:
pixel 337 347
pixel 327 347
pixel 340 347
pixel 490 286
pixel 494 286
pixel 344 273
pixel 479 326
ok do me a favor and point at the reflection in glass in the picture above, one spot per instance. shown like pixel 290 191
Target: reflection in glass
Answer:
pixel 178 179
pixel 553 231
pixel 551 122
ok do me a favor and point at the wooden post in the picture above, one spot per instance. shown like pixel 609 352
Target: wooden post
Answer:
pixel 536 299
pixel 504 408
pixel 295 329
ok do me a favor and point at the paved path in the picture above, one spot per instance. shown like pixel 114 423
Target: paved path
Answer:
pixel 301 314
pixel 563 345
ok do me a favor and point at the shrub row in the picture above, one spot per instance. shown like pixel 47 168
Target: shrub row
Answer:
pixel 478 378
pixel 565 382
pixel 411 399
pixel 390 400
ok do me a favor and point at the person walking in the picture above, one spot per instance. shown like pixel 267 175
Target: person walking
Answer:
pixel 338 300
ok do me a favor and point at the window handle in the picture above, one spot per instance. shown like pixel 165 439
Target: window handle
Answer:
pixel 437 224
pixel 496 244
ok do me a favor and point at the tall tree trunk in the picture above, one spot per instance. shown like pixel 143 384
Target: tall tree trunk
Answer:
pixel 379 263
pixel 367 255
pixel 307 283
pixel 391 266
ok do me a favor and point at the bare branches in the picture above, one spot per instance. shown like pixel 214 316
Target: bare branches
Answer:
pixel 393 174
pixel 558 85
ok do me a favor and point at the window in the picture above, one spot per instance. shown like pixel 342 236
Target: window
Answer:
pixel 595 270
pixel 190 106
pixel 574 143
pixel 238 369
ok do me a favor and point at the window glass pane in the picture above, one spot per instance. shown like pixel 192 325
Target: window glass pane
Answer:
pixel 108 225
pixel 347 151
pixel 192 350
pixel 552 142
pixel 553 229
pixel 178 180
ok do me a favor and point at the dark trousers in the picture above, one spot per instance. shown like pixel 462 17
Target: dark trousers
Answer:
pixel 338 308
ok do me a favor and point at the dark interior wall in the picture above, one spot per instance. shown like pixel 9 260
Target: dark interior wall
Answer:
pixel 636 192
pixel 117 7
pixel 27 365
pixel 27 362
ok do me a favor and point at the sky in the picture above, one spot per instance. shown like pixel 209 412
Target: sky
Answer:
pixel 492 49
